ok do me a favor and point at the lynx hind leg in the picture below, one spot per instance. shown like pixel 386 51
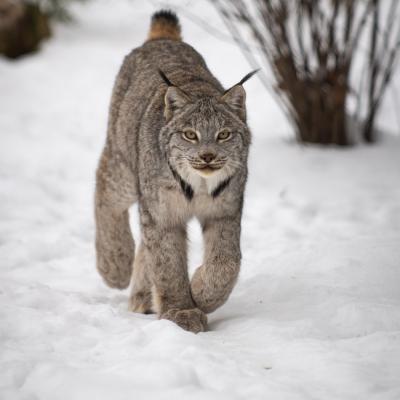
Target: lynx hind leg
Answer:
pixel 115 193
pixel 141 297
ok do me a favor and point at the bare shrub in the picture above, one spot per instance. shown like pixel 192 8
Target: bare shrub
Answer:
pixel 310 46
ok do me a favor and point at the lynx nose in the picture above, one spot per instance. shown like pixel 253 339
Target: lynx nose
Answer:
pixel 207 157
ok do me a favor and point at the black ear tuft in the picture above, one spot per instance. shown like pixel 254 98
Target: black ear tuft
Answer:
pixel 164 78
pixel 248 76
pixel 243 80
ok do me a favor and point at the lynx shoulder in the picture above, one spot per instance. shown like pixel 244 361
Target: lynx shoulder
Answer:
pixel 177 143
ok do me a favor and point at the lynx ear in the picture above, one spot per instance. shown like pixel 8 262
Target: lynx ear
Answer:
pixel 235 97
pixel 174 100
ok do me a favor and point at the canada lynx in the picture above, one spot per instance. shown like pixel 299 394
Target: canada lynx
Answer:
pixel 177 143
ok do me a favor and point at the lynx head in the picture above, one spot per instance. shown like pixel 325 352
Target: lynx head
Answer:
pixel 206 139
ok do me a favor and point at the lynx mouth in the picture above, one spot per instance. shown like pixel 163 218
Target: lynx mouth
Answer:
pixel 207 169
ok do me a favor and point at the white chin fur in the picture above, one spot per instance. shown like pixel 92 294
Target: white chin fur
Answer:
pixel 206 174
pixel 203 181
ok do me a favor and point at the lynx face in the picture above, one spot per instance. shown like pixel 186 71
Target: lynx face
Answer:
pixel 205 140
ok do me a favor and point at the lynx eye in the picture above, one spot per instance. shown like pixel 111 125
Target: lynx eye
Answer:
pixel 190 135
pixel 223 135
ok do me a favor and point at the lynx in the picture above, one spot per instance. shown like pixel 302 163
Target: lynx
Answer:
pixel 177 143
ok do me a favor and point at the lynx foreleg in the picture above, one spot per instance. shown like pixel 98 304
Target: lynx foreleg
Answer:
pixel 115 193
pixel 166 254
pixel 213 282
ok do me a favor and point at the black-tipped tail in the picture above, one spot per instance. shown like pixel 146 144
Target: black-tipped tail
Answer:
pixel 165 25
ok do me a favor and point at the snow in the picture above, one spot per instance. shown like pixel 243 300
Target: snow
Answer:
pixel 316 311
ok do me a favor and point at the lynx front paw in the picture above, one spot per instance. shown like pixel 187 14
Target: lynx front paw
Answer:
pixel 193 320
pixel 205 297
pixel 209 293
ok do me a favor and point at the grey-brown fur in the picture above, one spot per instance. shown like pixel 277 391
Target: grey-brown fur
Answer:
pixel 147 159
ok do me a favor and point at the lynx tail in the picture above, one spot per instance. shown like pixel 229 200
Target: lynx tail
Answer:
pixel 164 25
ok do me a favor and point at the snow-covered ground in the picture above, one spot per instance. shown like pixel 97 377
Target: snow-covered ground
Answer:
pixel 316 312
